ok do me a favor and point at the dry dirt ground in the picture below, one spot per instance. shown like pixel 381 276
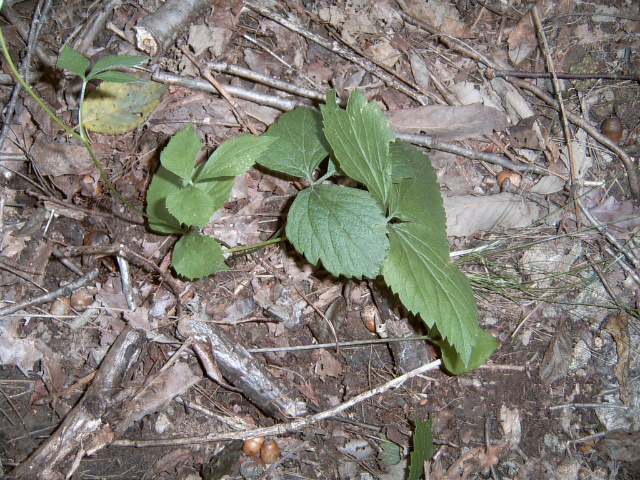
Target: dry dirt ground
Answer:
pixel 560 398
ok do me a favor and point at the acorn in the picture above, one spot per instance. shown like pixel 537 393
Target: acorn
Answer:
pixel 252 446
pixel 60 306
pixel 269 452
pixel 81 299
pixel 513 177
pixel 612 128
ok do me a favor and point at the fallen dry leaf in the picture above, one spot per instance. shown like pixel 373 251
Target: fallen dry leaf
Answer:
pixel 447 123
pixel 621 445
pixel 557 358
pixel 327 365
pixel 473 461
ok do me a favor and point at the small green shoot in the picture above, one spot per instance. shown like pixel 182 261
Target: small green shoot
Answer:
pixel 422 448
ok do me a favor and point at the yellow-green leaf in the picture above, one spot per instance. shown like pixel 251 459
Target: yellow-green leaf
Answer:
pixel 116 108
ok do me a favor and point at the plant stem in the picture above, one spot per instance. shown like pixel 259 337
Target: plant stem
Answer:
pixel 81 136
pixel 256 246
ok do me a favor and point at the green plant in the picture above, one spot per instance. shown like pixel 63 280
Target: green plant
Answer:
pixel 394 227
pixel 78 64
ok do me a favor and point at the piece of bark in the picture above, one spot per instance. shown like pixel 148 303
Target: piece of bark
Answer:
pixel 158 31
pixel 83 427
pixel 108 408
pixel 406 355
pixel 221 355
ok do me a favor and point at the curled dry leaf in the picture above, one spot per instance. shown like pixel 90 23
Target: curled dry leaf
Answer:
pixel 557 358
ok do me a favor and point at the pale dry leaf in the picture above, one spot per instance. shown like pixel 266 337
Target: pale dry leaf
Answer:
pixel 523 41
pixel 621 445
pixel 617 326
pixel 448 123
pixel 510 422
pixel 467 214
pixel 327 365
pixel 358 449
pixel 557 358
pixel 421 73
pixel 473 461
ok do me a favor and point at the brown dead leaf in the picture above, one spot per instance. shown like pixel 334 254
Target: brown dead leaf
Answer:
pixel 473 461
pixel 557 358
pixel 327 365
pixel 522 134
pixel 448 123
pixel 522 41
pixel 467 214
pixel 621 445
pixel 617 325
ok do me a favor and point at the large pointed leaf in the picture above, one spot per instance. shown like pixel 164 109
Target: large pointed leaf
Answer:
pixel 117 77
pixel 191 206
pixel 235 156
pixel 415 195
pixel 179 156
pixel 343 227
pixel 360 138
pixel 485 345
pixel 197 256
pixel 163 184
pixel 219 190
pixel 418 270
pixel 300 145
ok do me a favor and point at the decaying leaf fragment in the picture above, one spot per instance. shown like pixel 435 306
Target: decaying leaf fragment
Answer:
pixel 557 358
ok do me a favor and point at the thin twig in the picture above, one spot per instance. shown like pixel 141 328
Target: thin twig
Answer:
pixel 283 428
pixel 341 51
pixel 66 290
pixel 544 46
pixel 490 73
pixel 41 11
pixel 235 108
pixel 487 441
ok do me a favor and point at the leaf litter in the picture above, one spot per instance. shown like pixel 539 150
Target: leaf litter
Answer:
pixel 243 220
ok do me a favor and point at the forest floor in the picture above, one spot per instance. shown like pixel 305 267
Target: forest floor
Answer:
pixel 92 384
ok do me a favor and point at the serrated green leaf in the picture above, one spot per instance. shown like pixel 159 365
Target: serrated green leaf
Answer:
pixel 116 77
pixel 485 345
pixel 116 108
pixel 422 448
pixel 360 138
pixel 415 194
pixel 235 156
pixel 191 206
pixel 197 256
pixel 115 61
pixel 343 227
pixel 163 184
pixel 73 61
pixel 300 145
pixel 219 190
pixel 179 156
pixel 418 270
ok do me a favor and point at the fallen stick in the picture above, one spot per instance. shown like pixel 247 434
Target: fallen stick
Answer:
pixel 283 428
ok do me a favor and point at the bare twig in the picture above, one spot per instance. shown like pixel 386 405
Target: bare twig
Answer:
pixel 283 428
pixel 41 11
pixel 339 50
pixel 544 46
pixel 66 290
pixel 235 108
pixel 15 19
pixel 490 73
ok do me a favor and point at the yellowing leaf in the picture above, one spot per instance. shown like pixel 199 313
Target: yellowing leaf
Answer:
pixel 116 108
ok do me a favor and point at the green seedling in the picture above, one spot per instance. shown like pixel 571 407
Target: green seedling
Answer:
pixel 394 226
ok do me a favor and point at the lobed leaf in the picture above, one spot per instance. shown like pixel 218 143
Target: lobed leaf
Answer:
pixel 235 156
pixel 343 227
pixel 418 270
pixel 300 145
pixel 360 138
pixel 197 256
pixel 191 206
pixel 179 156
pixel 73 61
pixel 164 183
